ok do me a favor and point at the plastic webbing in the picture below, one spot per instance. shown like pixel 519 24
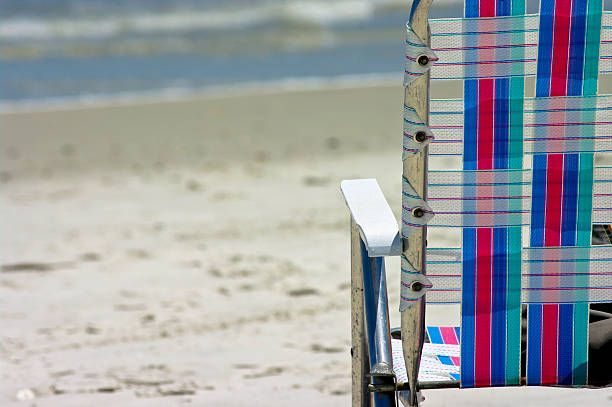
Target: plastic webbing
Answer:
pixel 415 50
pixel 473 48
pixel 563 124
pixel 566 275
pixel 602 196
pixel 414 128
pixel 431 368
pixel 568 124
pixel 410 202
pixel 568 52
pixel 444 342
pixel 605 50
pixel 493 140
pixel 501 198
pixel 444 272
pixel 447 194
pixel 563 274
pixel 479 198
pixel 440 335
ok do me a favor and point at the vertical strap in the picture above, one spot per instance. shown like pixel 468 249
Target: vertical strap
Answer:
pixel 490 308
pixel 568 53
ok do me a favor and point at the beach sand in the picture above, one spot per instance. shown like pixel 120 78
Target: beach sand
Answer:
pixel 196 252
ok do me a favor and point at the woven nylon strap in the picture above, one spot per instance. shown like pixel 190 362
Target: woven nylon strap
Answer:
pixel 568 52
pixel 495 47
pixel 560 275
pixel 493 140
pixel 495 198
pixel 573 124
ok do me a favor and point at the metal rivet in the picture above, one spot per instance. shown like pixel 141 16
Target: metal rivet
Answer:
pixel 416 286
pixel 423 60
pixel 420 136
pixel 418 212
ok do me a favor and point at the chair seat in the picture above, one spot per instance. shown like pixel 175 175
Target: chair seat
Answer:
pixel 440 361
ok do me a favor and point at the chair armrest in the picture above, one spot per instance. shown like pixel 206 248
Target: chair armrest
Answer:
pixel 373 216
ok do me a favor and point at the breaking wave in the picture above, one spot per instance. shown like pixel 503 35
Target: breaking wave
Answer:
pixel 295 12
pixel 182 93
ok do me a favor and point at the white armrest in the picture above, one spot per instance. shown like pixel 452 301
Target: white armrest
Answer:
pixel 376 223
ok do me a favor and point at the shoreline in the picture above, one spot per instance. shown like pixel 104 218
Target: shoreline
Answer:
pixel 316 120
pixel 185 94
pixel 203 133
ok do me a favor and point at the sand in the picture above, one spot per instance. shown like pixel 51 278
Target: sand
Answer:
pixel 195 252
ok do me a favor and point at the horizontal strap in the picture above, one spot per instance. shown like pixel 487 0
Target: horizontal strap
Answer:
pixel 605 47
pixel 472 48
pixel 417 134
pixel 602 195
pixel 567 124
pixel 446 122
pixel 415 211
pixel 437 349
pixel 435 365
pixel 479 198
pixel 411 276
pixel 555 275
pixel 419 57
pixel 444 272
pixel 501 198
pixel 561 275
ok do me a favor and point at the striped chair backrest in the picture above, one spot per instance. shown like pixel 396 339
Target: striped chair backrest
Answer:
pixel 527 168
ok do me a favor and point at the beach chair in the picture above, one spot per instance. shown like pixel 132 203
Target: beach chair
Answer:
pixel 523 277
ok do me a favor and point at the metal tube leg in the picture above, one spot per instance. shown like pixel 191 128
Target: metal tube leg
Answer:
pixel 359 357
pixel 378 336
pixel 382 333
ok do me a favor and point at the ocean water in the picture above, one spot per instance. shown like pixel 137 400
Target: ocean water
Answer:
pixel 70 51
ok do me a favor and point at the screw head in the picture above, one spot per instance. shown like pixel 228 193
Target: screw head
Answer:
pixel 420 136
pixel 423 60
pixel 418 212
pixel 416 286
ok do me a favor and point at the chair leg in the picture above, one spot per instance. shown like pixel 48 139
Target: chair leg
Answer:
pixel 359 357
pixel 377 332
pixel 416 97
